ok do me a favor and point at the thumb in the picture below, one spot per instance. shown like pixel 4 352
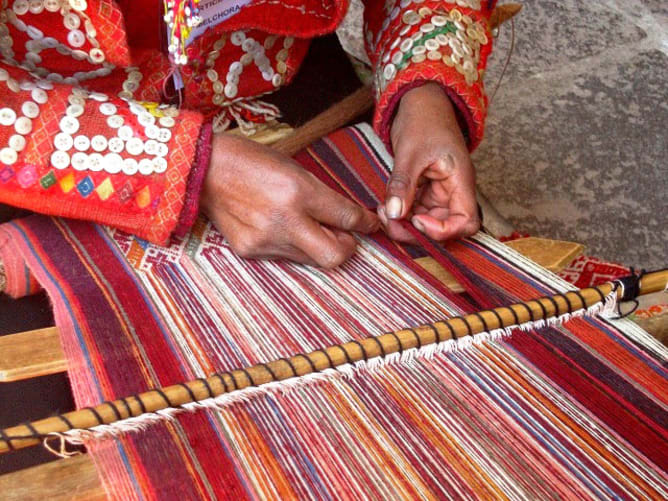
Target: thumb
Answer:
pixel 401 188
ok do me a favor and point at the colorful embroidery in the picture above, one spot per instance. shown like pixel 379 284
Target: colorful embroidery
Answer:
pixel 181 17
pixel 448 37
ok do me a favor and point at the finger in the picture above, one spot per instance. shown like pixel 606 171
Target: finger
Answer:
pixel 289 253
pixel 439 224
pixel 441 168
pixel 394 229
pixel 244 241
pixel 401 187
pixel 327 248
pixel 452 210
pixel 333 209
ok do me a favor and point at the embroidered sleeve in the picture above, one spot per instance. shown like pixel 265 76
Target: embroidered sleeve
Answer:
pixel 445 41
pixel 70 152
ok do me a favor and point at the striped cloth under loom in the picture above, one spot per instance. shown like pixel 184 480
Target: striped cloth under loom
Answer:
pixel 574 411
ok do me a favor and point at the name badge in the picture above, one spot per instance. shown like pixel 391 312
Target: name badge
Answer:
pixel 214 12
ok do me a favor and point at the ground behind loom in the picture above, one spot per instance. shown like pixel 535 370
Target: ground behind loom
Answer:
pixel 577 135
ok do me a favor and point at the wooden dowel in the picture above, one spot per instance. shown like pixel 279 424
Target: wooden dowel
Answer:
pixel 319 360
pixel 329 120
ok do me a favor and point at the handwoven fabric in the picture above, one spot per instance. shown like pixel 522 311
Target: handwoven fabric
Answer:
pixel 576 411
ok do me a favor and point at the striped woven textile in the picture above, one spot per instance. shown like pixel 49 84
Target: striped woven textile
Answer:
pixel 575 411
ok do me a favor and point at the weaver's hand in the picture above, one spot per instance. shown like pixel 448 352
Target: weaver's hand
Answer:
pixel 267 206
pixel 433 181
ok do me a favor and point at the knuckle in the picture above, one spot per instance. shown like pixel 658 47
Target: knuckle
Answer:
pixel 289 193
pixel 400 181
pixel 293 193
pixel 274 220
pixel 350 217
pixel 332 259
pixel 472 227
pixel 245 246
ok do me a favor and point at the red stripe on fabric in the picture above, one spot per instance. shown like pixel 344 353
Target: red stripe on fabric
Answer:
pixel 606 406
pixel 140 321
pixel 83 304
pixel 472 256
pixel 450 266
pixel 357 154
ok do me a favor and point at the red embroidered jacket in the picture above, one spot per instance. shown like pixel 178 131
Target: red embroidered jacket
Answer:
pixel 82 130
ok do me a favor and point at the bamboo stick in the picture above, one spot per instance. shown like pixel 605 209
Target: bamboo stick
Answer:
pixel 333 356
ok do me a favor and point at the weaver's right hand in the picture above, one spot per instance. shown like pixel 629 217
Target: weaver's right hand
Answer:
pixel 267 206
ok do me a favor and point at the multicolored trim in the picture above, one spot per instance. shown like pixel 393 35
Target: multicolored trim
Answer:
pixel 181 16
pixel 452 38
pixel 433 43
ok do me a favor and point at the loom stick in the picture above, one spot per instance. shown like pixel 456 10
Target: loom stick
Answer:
pixel 333 118
pixel 302 364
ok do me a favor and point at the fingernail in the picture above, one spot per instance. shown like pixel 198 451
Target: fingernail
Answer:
pixel 381 215
pixel 446 164
pixel 394 207
pixel 418 224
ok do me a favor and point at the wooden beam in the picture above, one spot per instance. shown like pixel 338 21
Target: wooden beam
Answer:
pixel 554 255
pixel 64 479
pixel 31 354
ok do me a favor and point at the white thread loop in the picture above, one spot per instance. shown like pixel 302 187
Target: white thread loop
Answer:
pixel 63 440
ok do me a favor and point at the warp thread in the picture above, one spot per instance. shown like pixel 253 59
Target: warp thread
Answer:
pixel 605 308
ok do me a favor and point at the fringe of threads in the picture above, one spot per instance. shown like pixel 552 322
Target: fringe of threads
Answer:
pixel 408 358
pixel 247 113
pixel 3 277
pixel 181 16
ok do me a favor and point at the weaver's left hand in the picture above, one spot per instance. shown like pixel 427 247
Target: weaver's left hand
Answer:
pixel 433 181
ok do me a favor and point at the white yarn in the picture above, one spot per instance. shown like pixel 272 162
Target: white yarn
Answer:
pixel 408 357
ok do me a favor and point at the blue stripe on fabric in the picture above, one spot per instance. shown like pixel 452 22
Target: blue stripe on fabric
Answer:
pixel 119 446
pixel 529 424
pixel 64 300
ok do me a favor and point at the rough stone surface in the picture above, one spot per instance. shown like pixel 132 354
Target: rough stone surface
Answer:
pixel 577 132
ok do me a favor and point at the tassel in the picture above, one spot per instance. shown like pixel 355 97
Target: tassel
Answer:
pixel 181 17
